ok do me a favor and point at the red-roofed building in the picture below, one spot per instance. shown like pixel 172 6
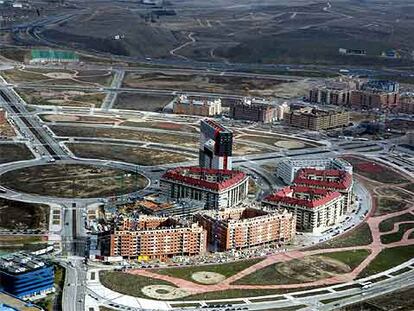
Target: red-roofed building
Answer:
pixel 217 188
pixel 332 180
pixel 316 209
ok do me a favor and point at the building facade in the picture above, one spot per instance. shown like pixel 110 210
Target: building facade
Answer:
pixel 156 237
pixel 376 94
pixel 332 180
pixel 216 146
pixel 206 108
pixel 315 210
pixel 316 120
pixel 216 188
pixel 246 227
pixel 407 103
pixel 26 276
pixel 287 169
pixel 256 110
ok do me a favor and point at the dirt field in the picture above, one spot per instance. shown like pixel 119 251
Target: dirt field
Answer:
pixel 143 102
pixel 62 98
pixel 81 181
pixel 161 138
pixel 20 215
pixel 129 154
pixel 6 130
pixel 14 152
pixel 210 83
pixel 79 119
pixel 59 76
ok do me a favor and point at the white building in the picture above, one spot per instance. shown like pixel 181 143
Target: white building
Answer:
pixel 288 169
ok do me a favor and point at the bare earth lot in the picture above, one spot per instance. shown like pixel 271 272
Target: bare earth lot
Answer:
pixel 14 152
pixel 129 154
pixel 143 102
pixel 20 215
pixel 72 180
pixel 210 83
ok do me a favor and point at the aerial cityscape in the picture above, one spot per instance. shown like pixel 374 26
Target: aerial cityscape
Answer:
pixel 215 155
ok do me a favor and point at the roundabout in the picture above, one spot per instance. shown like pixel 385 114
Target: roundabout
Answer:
pixel 82 181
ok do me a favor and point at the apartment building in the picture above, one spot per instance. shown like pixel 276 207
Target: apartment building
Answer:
pixel 239 228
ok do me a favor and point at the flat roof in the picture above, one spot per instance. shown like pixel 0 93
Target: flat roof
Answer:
pixel 14 303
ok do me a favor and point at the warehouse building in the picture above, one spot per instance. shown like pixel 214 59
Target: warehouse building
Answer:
pixel 53 56
pixel 216 188
pixel 156 238
pixel 315 209
pixel 26 276
pixel 239 228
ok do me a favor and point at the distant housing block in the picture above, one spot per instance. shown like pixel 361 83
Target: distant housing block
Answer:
pixel 53 56
pixel 316 119
pixel 199 107
pixel 258 110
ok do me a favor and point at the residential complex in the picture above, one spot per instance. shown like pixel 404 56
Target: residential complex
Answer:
pixel 287 169
pixel 372 94
pixel 315 209
pixel 238 228
pixel 258 110
pixel 331 180
pixel 316 119
pixel 26 276
pixel 216 188
pixel 206 108
pixel 333 93
pixel 156 237
pixel 216 145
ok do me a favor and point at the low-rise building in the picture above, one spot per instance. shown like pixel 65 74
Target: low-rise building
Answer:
pixel 257 110
pixel 200 107
pixel 156 238
pixel 287 169
pixel 216 188
pixel 316 119
pixel 315 209
pixel 26 276
pixel 239 228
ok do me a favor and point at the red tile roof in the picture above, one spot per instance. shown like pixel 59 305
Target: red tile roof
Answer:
pixel 284 196
pixel 177 174
pixel 343 183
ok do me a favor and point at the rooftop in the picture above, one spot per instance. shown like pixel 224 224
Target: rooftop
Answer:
pixel 217 126
pixel 336 179
pixel 205 178
pixel 303 196
pixel 17 263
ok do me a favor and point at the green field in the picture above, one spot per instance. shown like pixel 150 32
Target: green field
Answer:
pixel 397 236
pixel 359 236
pixel 388 224
pixel 387 259
pixel 307 269
pixel 227 270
